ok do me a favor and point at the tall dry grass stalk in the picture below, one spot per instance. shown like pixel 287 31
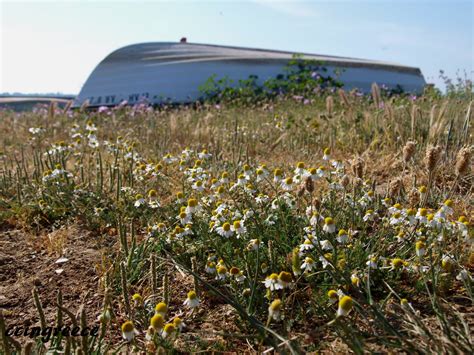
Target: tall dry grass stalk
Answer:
pixel 376 96
pixel 343 97
pixel 329 105
pixel 463 161
pixel 358 165
pixel 432 156
pixel 409 151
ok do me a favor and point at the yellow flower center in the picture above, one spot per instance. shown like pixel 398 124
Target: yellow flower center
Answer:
pixel 346 303
pixel 161 307
pixel 127 327
pixel 276 305
pixel 285 276
pixel 157 321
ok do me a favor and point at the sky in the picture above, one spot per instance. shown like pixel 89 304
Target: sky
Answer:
pixel 53 46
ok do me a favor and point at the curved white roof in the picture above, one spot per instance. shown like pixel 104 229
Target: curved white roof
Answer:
pixel 155 71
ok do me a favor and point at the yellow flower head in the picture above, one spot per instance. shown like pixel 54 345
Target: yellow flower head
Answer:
pixel 397 263
pixel 300 165
pixel 276 305
pixel 137 298
pixel 192 295
pixel 169 328
pixel 221 269
pixel 328 221
pixel 285 277
pixel 161 308
pixel 273 276
pixel 192 202
pixel 157 321
pixel 419 245
pixel 346 303
pixel 234 270
pixel 127 327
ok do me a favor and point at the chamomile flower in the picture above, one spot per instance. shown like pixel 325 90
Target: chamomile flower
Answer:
pixel 161 308
pixel 128 331
pixel 287 184
pixel 312 174
pixel 344 307
pixel 239 228
pixel 407 306
pixel 369 216
pixel 327 154
pixel 221 273
pixel 210 267
pixel 306 246
pixel 198 186
pixel 184 218
pixel 396 218
pixel 261 174
pixel 421 215
pixel 386 202
pixel 342 236
pixel 192 301
pixel 420 248
pixel 447 208
pixel 225 230
pixel 410 215
pixel 326 245
pixel 396 208
pixel 355 280
pixel 397 263
pixel 372 262
pixel 168 159
pixel 139 201
pixel 462 225
pixel 422 191
pixel 168 330
pixel 179 197
pixel 300 169
pixel 277 175
pixel 333 296
pixel 400 236
pixel 447 263
pixel 137 300
pixel 178 323
pixel 321 172
pixel 274 309
pixel 308 264
pixel 204 154
pixel 253 244
pixel 271 282
pixel 329 226
pixel 325 260
pixel 192 205
pixel 157 322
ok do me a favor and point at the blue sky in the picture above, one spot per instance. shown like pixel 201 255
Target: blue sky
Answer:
pixel 53 46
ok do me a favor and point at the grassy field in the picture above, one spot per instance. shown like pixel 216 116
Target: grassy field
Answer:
pixel 336 224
